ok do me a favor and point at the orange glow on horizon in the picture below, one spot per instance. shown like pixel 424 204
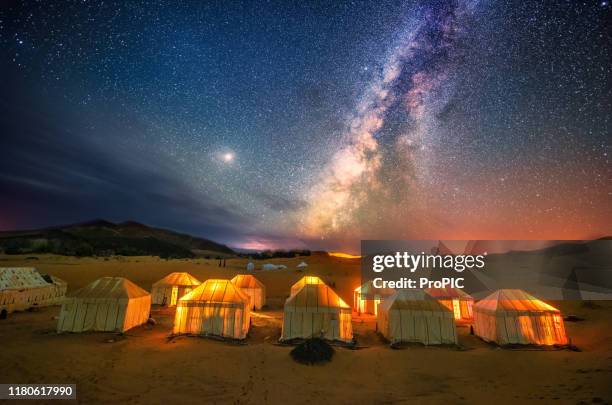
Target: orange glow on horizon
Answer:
pixel 343 255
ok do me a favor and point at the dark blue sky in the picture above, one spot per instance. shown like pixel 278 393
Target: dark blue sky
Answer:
pixel 312 124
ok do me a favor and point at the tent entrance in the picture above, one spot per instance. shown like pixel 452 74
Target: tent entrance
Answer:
pixel 174 296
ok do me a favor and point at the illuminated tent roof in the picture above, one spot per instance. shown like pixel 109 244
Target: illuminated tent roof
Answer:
pixel 303 281
pixel 513 301
pixel 178 279
pixel 448 293
pixel 218 291
pixel 246 281
pixel 252 287
pixel 110 287
pixel 316 298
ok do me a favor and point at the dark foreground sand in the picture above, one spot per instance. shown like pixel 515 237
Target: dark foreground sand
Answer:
pixel 146 367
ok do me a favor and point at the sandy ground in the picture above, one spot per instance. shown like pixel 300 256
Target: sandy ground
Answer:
pixel 146 367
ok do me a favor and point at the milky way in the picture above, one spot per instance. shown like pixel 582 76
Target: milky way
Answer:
pixel 309 125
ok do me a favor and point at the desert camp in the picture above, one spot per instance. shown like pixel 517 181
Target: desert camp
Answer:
pixel 366 298
pixel 175 285
pixel 22 288
pixel 216 307
pixel 517 317
pixel 315 310
pixel 109 304
pixel 410 317
pixel 455 299
pixel 253 288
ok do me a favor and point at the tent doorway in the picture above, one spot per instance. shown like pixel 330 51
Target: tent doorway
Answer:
pixel 174 296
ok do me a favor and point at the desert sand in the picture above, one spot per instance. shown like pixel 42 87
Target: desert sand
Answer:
pixel 145 366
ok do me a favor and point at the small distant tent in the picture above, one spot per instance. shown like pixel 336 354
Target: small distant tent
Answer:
pixel 269 266
pixel 216 307
pixel 302 265
pixel 317 311
pixel 455 299
pixel 109 304
pixel 252 287
pixel 517 317
pixel 250 266
pixel 22 288
pixel 408 316
pixel 169 289
pixel 366 298
pixel 304 281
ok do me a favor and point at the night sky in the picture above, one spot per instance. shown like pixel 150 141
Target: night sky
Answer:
pixel 270 124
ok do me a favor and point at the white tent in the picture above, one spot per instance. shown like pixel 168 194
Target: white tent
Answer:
pixel 302 265
pixel 252 287
pixel 517 317
pixel 169 289
pixel 270 266
pixel 109 304
pixel 24 287
pixel 317 311
pixel 408 316
pixel 250 266
pixel 216 307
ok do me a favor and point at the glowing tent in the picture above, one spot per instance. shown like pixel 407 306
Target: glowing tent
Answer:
pixel 304 281
pixel 169 289
pixel 456 300
pixel 366 298
pixel 317 311
pixel 216 307
pixel 22 288
pixel 516 317
pixel 253 288
pixel 109 304
pixel 408 316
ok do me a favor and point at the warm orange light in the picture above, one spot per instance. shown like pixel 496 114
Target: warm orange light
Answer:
pixel 343 255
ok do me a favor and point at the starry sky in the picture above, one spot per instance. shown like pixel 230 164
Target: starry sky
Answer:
pixel 315 124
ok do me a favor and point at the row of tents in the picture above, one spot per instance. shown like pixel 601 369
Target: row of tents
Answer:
pixel 223 308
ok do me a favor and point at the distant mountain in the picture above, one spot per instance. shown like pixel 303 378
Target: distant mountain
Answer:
pixel 104 238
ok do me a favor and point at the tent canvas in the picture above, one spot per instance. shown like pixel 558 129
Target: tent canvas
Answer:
pixel 302 265
pixel 304 281
pixel 22 288
pixel 517 317
pixel 455 299
pixel 366 298
pixel 175 285
pixel 409 316
pixel 216 307
pixel 109 304
pixel 253 288
pixel 316 311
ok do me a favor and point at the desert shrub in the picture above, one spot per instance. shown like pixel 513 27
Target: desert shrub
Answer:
pixel 313 351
